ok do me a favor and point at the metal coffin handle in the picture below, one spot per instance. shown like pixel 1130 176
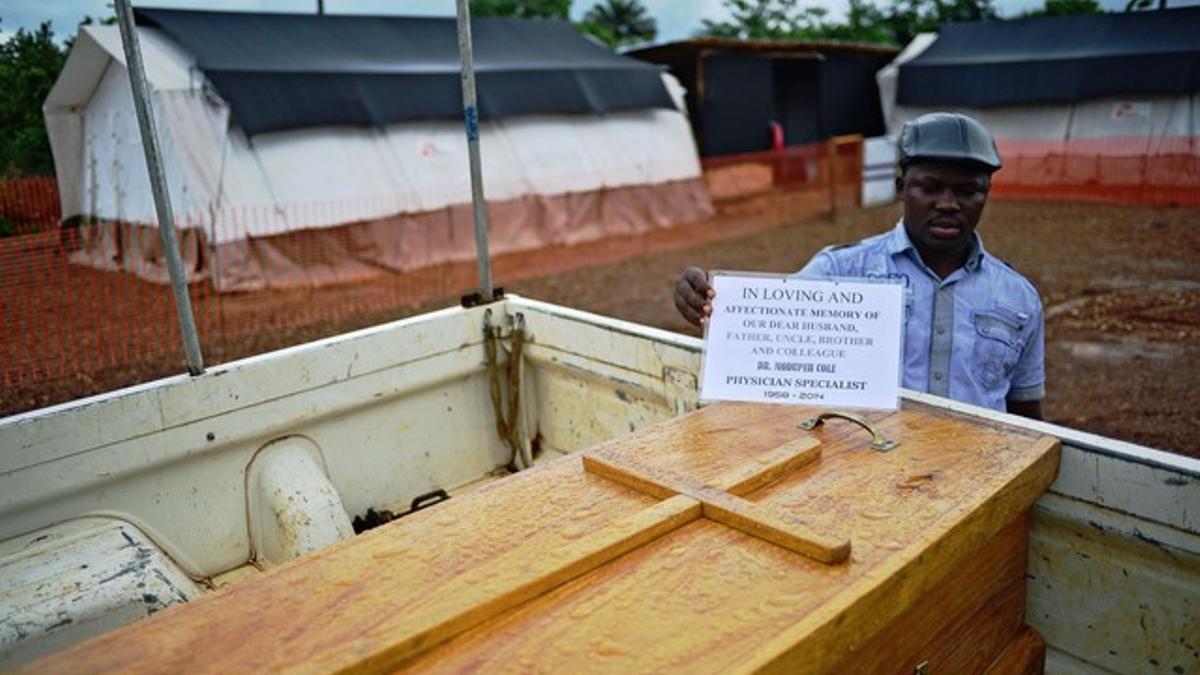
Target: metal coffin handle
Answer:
pixel 878 442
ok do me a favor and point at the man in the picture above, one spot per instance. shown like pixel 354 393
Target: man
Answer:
pixel 973 325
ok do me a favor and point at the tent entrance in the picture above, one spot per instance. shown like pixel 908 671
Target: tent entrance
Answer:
pixel 798 99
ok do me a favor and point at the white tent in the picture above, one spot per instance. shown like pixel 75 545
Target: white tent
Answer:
pixel 1145 116
pixel 335 203
pixel 1075 124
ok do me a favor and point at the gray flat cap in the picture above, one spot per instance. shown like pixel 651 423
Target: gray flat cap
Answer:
pixel 948 137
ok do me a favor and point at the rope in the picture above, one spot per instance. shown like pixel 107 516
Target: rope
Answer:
pixel 507 412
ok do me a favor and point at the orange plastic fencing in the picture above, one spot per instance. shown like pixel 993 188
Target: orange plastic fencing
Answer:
pixel 69 329
pixel 28 205
pixel 1162 171
pixel 831 170
pixel 85 307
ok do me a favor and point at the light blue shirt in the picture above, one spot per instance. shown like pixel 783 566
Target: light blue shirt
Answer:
pixel 976 336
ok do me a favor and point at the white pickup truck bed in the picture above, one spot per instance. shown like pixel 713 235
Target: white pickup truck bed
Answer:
pixel 116 506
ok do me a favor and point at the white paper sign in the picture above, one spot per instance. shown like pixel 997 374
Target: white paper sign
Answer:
pixel 775 339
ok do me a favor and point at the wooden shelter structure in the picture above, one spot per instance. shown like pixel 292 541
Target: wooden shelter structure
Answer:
pixel 737 88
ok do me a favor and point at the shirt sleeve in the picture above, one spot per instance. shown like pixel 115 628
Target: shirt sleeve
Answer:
pixel 822 266
pixel 1029 375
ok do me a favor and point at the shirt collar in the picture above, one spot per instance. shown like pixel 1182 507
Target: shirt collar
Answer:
pixel 898 242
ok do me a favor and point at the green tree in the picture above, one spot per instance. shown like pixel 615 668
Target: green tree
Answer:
pixel 522 9
pixel 1065 8
pixel 29 65
pixel 866 21
pixel 907 18
pixel 764 20
pixel 619 22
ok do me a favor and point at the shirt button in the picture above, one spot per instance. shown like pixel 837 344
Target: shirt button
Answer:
pixel 941 331
pixel 937 376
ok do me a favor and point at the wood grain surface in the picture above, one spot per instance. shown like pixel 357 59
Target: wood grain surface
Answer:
pixel 1024 656
pixel 560 569
pixel 756 520
pixel 975 608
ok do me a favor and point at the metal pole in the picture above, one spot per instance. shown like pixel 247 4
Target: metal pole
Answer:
pixel 320 7
pixel 471 117
pixel 158 185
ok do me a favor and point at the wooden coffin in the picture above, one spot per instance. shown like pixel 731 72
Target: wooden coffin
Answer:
pixel 728 540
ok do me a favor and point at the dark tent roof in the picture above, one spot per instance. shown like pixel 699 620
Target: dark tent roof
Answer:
pixel 689 48
pixel 1057 59
pixel 286 71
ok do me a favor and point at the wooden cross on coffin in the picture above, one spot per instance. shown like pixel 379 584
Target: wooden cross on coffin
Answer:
pixel 722 501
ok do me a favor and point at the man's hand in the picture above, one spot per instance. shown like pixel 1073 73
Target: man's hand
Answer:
pixel 693 296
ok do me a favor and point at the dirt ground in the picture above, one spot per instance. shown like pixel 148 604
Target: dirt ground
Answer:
pixel 1121 287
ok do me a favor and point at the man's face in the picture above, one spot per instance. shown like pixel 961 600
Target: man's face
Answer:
pixel 942 205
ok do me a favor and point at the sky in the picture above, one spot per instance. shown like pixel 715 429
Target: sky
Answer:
pixel 677 19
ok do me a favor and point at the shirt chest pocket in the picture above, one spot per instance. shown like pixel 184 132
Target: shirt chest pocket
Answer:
pixel 998 344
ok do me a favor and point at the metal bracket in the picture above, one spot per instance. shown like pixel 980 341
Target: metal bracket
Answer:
pixel 878 442
pixel 428 499
pixel 476 299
